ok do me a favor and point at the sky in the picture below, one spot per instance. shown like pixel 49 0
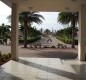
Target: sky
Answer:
pixel 50 21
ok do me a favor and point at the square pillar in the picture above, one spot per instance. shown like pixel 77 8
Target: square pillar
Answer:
pixel 82 33
pixel 14 30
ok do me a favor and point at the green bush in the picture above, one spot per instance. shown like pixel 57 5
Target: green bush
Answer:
pixel 53 46
pixel 21 41
pixel 5 57
pixel 30 40
pixel 67 41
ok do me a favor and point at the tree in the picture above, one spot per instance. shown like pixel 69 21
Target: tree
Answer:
pixel 32 32
pixel 47 31
pixel 67 18
pixel 26 19
pixel 4 30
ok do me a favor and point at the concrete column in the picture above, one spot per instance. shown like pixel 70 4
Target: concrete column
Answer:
pixel 14 30
pixel 82 33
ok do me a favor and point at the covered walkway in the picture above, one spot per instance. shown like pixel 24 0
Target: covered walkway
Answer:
pixel 45 68
pixel 18 6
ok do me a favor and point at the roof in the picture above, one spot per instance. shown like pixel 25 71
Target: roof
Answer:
pixel 48 5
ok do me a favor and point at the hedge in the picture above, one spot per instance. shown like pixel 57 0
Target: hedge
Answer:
pixel 4 58
pixel 30 40
pixel 66 40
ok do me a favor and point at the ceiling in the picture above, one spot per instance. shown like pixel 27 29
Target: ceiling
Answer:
pixel 48 5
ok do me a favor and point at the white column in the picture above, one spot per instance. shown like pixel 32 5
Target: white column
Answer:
pixel 14 30
pixel 82 33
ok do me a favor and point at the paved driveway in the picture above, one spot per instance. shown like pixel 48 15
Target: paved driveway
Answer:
pixel 49 53
pixel 44 52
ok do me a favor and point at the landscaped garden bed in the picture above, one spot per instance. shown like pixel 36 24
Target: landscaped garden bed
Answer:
pixel 66 40
pixel 4 58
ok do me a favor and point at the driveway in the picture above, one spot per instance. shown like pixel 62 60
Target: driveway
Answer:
pixel 44 52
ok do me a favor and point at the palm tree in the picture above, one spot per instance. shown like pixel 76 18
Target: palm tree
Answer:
pixel 32 32
pixel 26 19
pixel 4 32
pixel 67 18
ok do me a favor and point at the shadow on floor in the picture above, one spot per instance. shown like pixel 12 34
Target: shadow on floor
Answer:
pixel 59 72
pixel 62 54
pixel 80 68
pixel 58 54
pixel 7 76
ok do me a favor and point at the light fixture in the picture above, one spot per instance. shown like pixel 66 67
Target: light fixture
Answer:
pixel 67 8
pixel 73 0
pixel 24 0
pixel 30 9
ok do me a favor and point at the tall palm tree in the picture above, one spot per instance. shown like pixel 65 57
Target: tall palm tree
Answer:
pixel 32 32
pixel 67 18
pixel 26 18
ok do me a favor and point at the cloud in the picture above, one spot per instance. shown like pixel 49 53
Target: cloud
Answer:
pixel 49 22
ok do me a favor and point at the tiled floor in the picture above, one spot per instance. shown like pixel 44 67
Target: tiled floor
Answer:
pixel 43 69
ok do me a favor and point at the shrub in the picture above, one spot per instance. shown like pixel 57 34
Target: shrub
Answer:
pixel 46 47
pixel 21 41
pixel 67 41
pixel 30 40
pixel 9 55
pixel 4 58
pixel 53 46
